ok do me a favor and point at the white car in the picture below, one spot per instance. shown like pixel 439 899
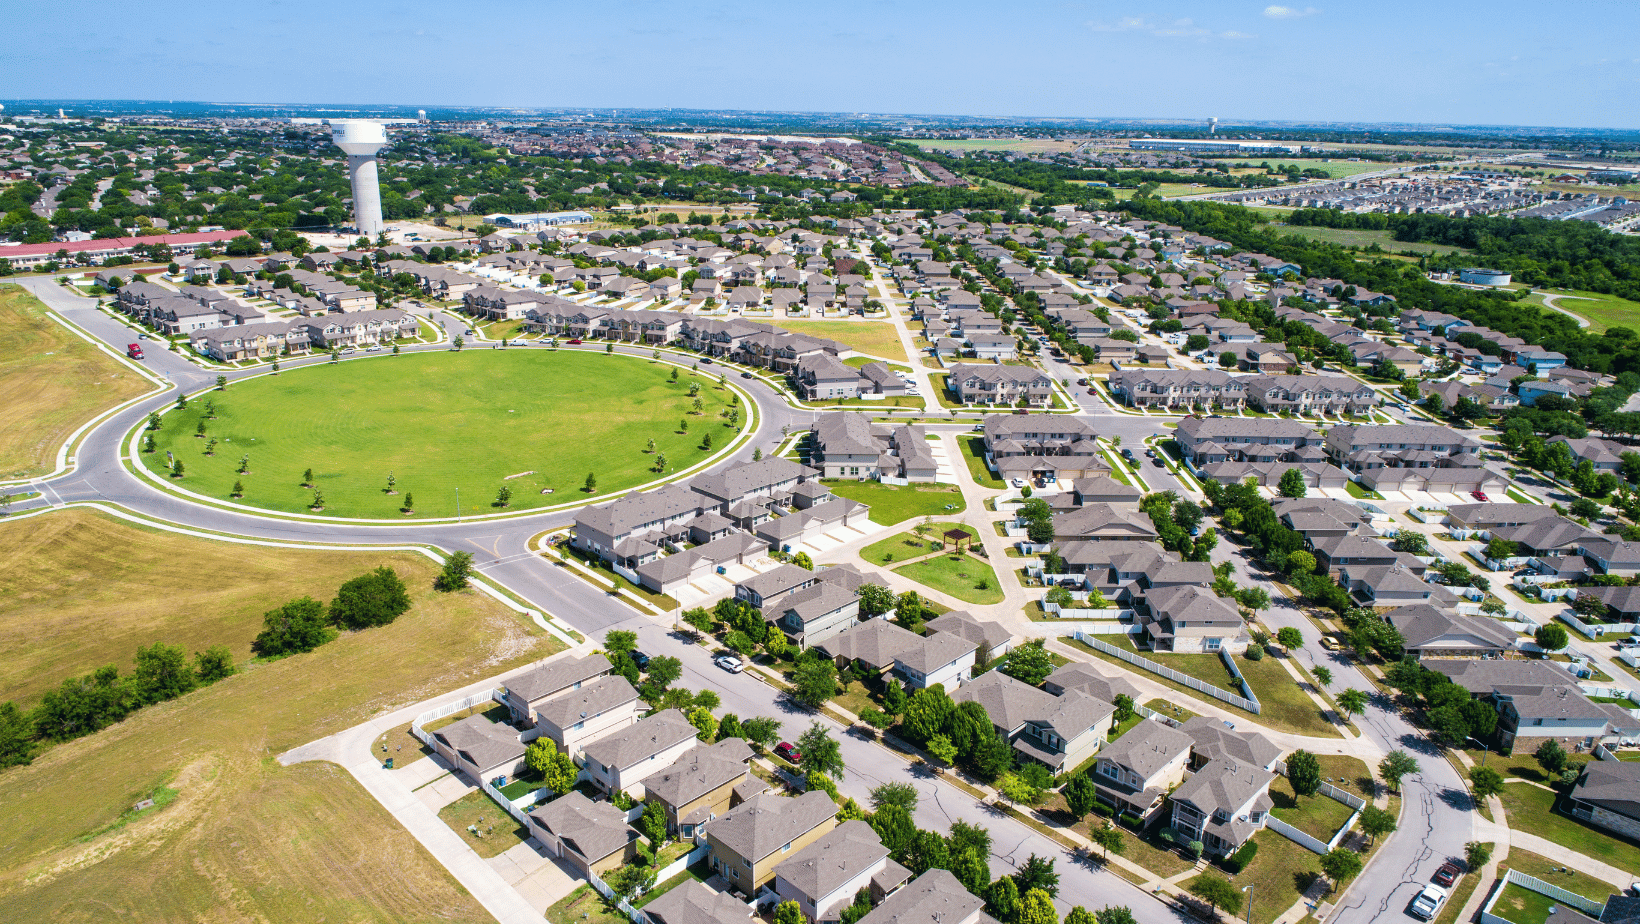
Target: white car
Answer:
pixel 1428 902
pixel 349 351
pixel 373 348
pixel 1018 482
pixel 729 663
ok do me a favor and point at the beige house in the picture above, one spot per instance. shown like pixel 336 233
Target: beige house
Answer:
pixel 618 761
pixel 573 719
pixel 756 836
pixel 1137 771
pixel 700 785
pixel 560 675
pixel 480 748
pixel 593 837
pixel 823 877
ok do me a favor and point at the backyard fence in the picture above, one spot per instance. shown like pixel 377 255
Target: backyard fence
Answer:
pixel 1596 630
pixel 1513 877
pixel 682 863
pixel 1248 703
pixel 1308 841
pixel 451 708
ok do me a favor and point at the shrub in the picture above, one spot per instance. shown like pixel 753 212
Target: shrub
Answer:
pixel 1254 653
pixel 1241 859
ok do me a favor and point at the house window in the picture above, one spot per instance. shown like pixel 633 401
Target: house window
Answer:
pixel 1212 644
pixel 786 849
pixel 746 863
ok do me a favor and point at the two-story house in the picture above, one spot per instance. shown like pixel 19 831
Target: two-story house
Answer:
pixel 481 749
pixel 562 675
pixel 598 708
pixel 1135 772
pixel 593 837
pixel 699 786
pixel 823 877
pixel 620 760
pixel 1222 804
pixel 746 844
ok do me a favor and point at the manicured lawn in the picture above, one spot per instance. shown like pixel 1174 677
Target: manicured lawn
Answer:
pixel 895 503
pixel 1279 874
pixel 1356 489
pixel 936 381
pixel 584 906
pixel 605 572
pixel 906 545
pixel 962 576
pixel 1158 858
pixel 1165 708
pixel 973 452
pixel 1598 308
pixel 1318 816
pixel 1530 808
pixel 483 824
pixel 1545 869
pixel 688 875
pixel 878 338
pixel 53 382
pixel 241 821
pixel 444 424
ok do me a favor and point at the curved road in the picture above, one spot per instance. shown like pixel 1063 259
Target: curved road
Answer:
pixel 1435 825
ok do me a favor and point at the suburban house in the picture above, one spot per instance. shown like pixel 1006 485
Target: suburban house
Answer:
pixel 1136 772
pixel 1401 457
pixel 1061 732
pixel 1222 804
pixel 593 837
pixel 480 748
pixel 816 613
pixel 694 902
pixel 1537 701
pixel 1608 795
pixel 599 707
pixel 1191 618
pixel 1007 385
pixel 993 638
pixel 617 761
pixel 936 658
pixel 1085 678
pixel 873 644
pixel 1176 387
pixel 1216 740
pixel 700 785
pixel 756 836
pixel 1486 517
pixel 935 897
pixel 823 877
pixel 1042 448
pixel 529 690
pixel 1431 632
pixel 849 445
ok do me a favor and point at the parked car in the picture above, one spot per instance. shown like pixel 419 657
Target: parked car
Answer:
pixel 575 342
pixel 707 360
pixel 640 659
pixel 1447 874
pixel 373 348
pixel 789 752
pixel 1017 482
pixel 1478 495
pixel 1428 902
pixel 1329 643
pixel 729 663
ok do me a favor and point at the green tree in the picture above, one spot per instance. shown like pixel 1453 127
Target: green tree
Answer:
pixel 941 749
pixel 1397 765
pixel 299 625
pixel 814 681
pixel 821 753
pixel 894 697
pixel 1323 676
pixel 16 736
pixel 1108 839
pixel 221 382
pixel 1550 637
pixel 213 664
pixel 1081 795
pixel 802 560
pixel 1124 708
pixel 664 670
pixel 1290 637
pixel 557 769
pixel 787 912
pixel 992 757
pixel 706 725
pixel 591 483
pixel 1002 900
pixel 1476 854
pixel 238 488
pixel 1551 757
pixel 1376 822
pixel 503 496
pixel 761 730
pixel 621 641
pixel 307 478
pixel 875 600
pixel 1017 789
pixel 1112 914
pixel 1029 663
pixel 1292 484
pixel 1499 549
pixel 457 571
pixel 1300 562
pixel 176 469
pixel 653 823
pixel 1341 863
pixel 162 673
pixel 1217 891
pixel 1304 772
pixel 372 599
pixel 1037 908
pixel 894 828
pixel 926 713
pixel 903 795
pixel 1484 782
pixel 1352 701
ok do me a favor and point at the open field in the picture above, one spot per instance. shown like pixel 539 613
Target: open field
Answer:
pixel 875 337
pixel 962 576
pixel 891 504
pixel 244 838
pixel 1351 237
pixel 1334 168
pixel 1602 311
pixel 53 382
pixel 1025 145
pixel 443 423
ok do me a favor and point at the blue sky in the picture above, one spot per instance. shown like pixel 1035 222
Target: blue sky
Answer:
pixel 1430 61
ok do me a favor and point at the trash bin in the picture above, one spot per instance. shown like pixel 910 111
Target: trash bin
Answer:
pixel 388 765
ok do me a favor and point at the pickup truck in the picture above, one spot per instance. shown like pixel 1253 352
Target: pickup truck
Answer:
pixel 133 350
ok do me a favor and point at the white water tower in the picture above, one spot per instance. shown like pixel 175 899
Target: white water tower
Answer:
pixel 360 140
pixel 1213 126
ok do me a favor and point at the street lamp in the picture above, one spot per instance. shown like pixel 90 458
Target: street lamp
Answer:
pixel 1250 894
pixel 1485 750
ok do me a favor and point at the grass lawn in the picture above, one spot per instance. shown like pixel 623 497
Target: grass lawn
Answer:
pixel 892 504
pixel 854 697
pixel 55 382
pixel 860 362
pixel 1157 857
pixel 1541 867
pixel 1523 906
pixel 1334 169
pixel 605 572
pixel 1165 708
pixel 973 452
pixel 483 825
pixel 962 576
pixel 687 875
pixel 584 906
pixel 1598 308
pixel 1529 808
pixel 936 381
pixel 241 822
pixel 502 330
pixel 440 422
pixel 1357 490
pixel 1318 816
pixel 1363 239
pixel 1279 874
pixel 879 338
pixel 906 545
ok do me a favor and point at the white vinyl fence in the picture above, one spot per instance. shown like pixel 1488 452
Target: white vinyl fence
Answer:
pixel 1248 702
pixel 1588 906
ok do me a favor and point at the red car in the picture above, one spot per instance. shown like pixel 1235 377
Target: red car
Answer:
pixel 1478 495
pixel 789 752
pixel 574 343
pixel 1447 874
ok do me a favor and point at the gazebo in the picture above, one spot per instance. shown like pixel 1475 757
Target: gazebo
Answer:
pixel 956 535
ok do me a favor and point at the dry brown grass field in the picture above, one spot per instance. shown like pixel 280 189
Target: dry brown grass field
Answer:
pixel 241 837
pixel 53 382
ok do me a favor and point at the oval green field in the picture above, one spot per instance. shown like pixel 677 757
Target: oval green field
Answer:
pixel 441 422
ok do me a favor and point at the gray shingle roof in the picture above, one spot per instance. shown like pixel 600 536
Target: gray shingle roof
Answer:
pixel 636 743
pixel 935 897
pixel 839 855
pixel 1214 740
pixel 592 829
pixel 1009 702
pixel 1147 747
pixel 876 642
pixel 696 903
pixel 555 676
pixel 761 826
pixel 487 744
pixel 699 771
pixel 599 696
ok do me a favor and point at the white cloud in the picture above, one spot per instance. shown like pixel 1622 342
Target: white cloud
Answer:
pixel 1289 12
pixel 1129 24
pixel 1174 29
